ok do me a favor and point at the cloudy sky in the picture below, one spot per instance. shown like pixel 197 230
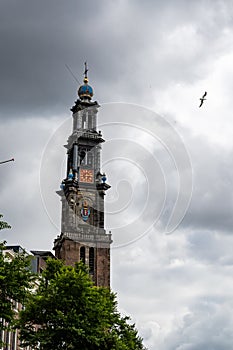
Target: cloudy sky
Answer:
pixel 169 162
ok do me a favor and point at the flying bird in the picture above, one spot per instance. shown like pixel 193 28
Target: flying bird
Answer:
pixel 203 99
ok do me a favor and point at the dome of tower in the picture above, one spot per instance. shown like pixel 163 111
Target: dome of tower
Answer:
pixel 85 90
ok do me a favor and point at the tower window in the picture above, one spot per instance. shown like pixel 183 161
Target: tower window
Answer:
pixel 91 260
pixel 89 159
pixel 84 121
pixel 82 254
pixel 90 121
pixel 83 156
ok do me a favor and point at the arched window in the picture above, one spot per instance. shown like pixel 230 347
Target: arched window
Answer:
pixel 82 254
pixel 89 159
pixel 90 123
pixel 91 260
pixel 84 120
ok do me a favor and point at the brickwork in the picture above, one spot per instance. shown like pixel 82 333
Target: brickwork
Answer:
pixel 103 267
pixel 69 252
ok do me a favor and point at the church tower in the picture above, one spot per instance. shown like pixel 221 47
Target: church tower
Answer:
pixel 83 236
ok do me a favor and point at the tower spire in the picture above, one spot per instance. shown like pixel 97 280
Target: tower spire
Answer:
pixel 85 80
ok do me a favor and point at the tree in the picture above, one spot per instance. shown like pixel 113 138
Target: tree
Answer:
pixel 68 312
pixel 3 224
pixel 15 282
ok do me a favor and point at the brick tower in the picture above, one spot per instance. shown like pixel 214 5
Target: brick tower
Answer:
pixel 83 236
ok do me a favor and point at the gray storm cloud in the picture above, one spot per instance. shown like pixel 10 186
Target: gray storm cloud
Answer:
pixel 162 55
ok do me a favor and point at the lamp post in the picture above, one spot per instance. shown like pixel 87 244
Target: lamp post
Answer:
pixel 6 161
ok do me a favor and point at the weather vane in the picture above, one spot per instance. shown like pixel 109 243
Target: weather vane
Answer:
pixel 86 70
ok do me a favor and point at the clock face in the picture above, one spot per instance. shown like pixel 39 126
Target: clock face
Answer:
pixel 86 175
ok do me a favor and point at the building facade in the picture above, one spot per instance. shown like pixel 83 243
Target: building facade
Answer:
pixel 83 236
pixel 10 337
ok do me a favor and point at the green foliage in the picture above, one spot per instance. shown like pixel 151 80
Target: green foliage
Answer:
pixel 3 224
pixel 15 282
pixel 68 312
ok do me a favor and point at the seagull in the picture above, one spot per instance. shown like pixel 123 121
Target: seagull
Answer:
pixel 203 99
